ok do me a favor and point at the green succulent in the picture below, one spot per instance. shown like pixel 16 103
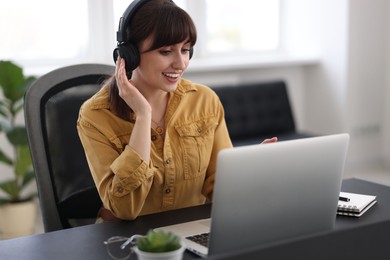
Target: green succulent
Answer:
pixel 158 241
pixel 13 85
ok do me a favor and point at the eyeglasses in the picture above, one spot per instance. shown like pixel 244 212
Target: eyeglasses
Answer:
pixel 120 248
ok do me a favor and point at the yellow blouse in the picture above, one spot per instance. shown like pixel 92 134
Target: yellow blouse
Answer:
pixel 183 166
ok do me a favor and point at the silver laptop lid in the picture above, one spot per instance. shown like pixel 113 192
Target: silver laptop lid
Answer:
pixel 272 192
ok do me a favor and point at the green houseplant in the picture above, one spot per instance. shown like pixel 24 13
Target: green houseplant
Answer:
pixel 158 241
pixel 159 245
pixel 13 85
pixel 154 245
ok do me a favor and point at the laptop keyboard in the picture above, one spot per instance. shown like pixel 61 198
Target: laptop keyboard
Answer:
pixel 202 239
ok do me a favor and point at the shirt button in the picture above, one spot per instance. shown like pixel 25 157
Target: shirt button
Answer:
pixel 168 161
pixel 168 190
pixel 154 138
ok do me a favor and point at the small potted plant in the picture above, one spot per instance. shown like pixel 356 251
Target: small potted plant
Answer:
pixel 154 245
pixel 15 198
pixel 159 245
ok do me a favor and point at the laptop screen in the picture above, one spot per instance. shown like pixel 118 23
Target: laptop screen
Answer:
pixel 272 192
pixel 269 193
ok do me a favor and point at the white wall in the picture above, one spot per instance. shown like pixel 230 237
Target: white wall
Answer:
pixel 367 78
pixel 309 29
pixel 347 91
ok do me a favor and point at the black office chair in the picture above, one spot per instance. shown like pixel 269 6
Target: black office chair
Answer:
pixel 67 193
pixel 256 111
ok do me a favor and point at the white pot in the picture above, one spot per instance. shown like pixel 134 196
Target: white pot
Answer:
pixel 17 219
pixel 173 255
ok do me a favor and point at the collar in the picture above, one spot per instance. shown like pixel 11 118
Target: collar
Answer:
pixel 183 87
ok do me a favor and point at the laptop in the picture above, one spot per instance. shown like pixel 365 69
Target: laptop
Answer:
pixel 269 193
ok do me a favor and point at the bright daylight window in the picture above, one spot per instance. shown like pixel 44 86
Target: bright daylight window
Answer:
pixel 42 30
pixel 54 33
pixel 230 26
pixel 242 26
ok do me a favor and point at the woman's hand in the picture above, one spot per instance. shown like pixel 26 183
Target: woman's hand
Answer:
pixel 128 92
pixel 270 140
pixel 140 136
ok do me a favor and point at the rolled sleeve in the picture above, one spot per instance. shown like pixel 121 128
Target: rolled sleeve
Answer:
pixel 131 171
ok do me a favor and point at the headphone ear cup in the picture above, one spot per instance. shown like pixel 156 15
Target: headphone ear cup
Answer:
pixel 130 54
pixel 191 52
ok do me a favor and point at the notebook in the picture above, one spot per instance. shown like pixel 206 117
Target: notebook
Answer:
pixel 356 205
pixel 270 192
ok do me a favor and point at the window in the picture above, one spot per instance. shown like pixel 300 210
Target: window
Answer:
pixel 242 26
pixel 43 29
pixel 229 26
pixel 50 34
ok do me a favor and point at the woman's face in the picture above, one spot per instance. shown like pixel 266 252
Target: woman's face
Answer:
pixel 162 68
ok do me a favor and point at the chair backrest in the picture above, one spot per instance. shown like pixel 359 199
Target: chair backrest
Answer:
pixel 67 193
pixel 256 110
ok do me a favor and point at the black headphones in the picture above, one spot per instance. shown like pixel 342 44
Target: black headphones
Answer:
pixel 128 51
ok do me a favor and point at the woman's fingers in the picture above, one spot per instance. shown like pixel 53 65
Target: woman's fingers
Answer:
pixel 128 91
pixel 270 140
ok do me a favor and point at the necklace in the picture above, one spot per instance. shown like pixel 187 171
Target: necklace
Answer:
pixel 159 129
pixel 159 126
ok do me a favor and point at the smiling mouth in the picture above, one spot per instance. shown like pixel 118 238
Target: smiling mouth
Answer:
pixel 172 75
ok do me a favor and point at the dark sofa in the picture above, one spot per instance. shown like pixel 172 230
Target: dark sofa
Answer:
pixel 257 111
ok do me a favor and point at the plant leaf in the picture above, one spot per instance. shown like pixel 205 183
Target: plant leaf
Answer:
pixel 14 84
pixel 11 78
pixel 5 159
pixel 17 102
pixel 28 177
pixel 158 241
pixel 18 106
pixel 5 126
pixel 18 136
pixel 23 161
pixel 12 81
pixel 11 188
pixel 4 109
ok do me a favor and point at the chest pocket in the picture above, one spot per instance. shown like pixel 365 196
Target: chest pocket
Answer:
pixel 196 140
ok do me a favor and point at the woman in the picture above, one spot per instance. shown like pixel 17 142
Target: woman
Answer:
pixel 151 140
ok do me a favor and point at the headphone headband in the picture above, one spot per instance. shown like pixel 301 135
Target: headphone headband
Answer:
pixel 127 50
pixel 124 21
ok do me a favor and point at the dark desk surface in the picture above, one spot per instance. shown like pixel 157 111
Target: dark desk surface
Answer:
pixel 353 238
pixel 380 211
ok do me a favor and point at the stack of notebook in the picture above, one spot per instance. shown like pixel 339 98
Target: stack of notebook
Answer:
pixel 352 204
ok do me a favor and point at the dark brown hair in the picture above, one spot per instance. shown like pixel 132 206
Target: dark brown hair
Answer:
pixel 167 23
